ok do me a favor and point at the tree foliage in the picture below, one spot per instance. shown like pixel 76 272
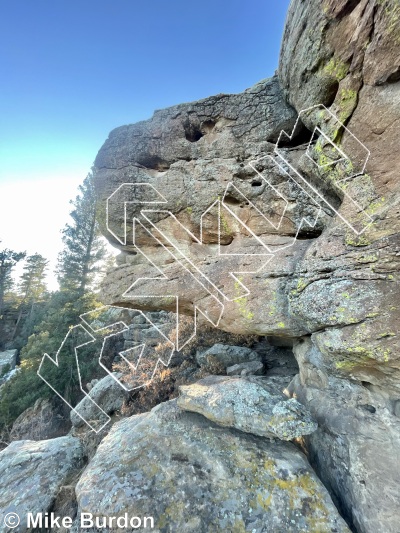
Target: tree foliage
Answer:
pixel 8 260
pixel 83 247
pixel 79 261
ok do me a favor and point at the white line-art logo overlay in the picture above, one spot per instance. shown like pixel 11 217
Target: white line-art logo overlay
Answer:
pixel 111 326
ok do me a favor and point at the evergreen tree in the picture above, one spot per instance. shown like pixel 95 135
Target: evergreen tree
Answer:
pixel 32 287
pixel 83 248
pixel 8 260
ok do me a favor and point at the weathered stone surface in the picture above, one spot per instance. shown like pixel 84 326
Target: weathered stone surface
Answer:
pixel 338 286
pixel 107 393
pixel 348 54
pixel 254 368
pixel 249 405
pixel 192 177
pixel 32 474
pixel 40 422
pixel 193 476
pixel 357 427
pixel 227 355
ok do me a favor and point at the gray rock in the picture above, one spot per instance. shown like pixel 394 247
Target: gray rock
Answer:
pixel 40 422
pixel 227 355
pixel 244 369
pixel 8 359
pixel 358 429
pixel 193 476
pixel 32 474
pixel 251 406
pixel 107 393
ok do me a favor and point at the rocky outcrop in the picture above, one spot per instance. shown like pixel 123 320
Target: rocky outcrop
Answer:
pixel 107 394
pixel 32 474
pixel 227 355
pixel 41 422
pixel 251 405
pixel 347 55
pixel 322 200
pixel 191 475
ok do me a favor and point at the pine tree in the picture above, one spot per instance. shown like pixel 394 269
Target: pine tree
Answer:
pixel 83 248
pixel 32 286
pixel 8 260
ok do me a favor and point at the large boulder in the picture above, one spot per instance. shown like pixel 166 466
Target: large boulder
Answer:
pixel 251 405
pixel 193 476
pixel 331 224
pixel 227 355
pixel 358 427
pixel 346 55
pixel 41 422
pixel 107 393
pixel 32 473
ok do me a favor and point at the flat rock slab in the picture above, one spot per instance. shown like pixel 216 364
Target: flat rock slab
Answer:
pixel 227 355
pixel 32 474
pixel 243 369
pixel 194 476
pixel 251 406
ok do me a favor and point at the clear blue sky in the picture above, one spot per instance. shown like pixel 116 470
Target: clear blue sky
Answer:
pixel 72 70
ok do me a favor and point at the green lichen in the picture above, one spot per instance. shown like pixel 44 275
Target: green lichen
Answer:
pixel 336 68
pixel 356 240
pixel 241 301
pixel 224 224
pixel 375 206
pixel 391 10
pixel 348 99
pixel 189 210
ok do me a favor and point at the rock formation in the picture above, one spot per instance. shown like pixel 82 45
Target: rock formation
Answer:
pixel 194 476
pixel 272 213
pixel 335 288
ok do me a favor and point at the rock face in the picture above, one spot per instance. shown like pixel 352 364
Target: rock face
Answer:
pixel 227 355
pixel 357 427
pixel 253 406
pixel 253 368
pixel 32 474
pixel 329 222
pixel 40 422
pixel 193 476
pixel 107 393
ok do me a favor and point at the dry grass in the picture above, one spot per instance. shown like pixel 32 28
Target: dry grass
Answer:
pixel 166 381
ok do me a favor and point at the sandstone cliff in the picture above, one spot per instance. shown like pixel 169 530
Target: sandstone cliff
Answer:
pixel 334 289
pixel 274 215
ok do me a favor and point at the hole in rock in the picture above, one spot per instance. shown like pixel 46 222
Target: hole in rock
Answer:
pixel 366 384
pixel 301 136
pixel 369 408
pixel 193 132
pixel 394 77
pixel 207 126
pixel 153 162
pixel 231 200
pixel 309 233
pixel 256 183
